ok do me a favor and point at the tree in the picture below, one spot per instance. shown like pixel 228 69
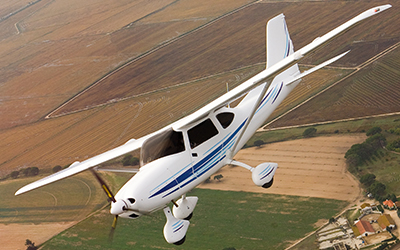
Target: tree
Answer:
pixel 353 160
pixel 309 132
pixel 258 143
pixel 26 171
pixel 218 177
pixel 57 168
pixel 30 245
pixel 377 141
pixel 373 131
pixel 14 174
pixel 367 179
pixel 34 171
pixel 394 145
pixel 130 160
pixel 363 150
pixel 377 188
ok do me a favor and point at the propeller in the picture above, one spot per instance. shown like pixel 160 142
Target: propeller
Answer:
pixel 116 210
pixel 118 206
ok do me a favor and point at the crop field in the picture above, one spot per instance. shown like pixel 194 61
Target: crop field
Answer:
pixel 372 90
pixel 222 47
pixel 52 50
pixel 221 219
pixel 63 140
pixel 312 167
pixel 45 212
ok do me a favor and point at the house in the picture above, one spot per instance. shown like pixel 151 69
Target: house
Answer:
pixel 364 229
pixel 386 220
pixel 366 208
pixel 389 204
pixel 397 203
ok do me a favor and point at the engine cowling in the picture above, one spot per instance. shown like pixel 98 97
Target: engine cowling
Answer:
pixel 263 174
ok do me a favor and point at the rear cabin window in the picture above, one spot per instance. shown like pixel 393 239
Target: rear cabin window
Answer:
pixel 225 119
pixel 167 143
pixel 201 133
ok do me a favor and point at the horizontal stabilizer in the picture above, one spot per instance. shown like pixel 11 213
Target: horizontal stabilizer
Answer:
pixel 316 68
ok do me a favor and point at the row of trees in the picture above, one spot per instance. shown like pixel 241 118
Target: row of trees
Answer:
pixel 359 154
pixel 31 171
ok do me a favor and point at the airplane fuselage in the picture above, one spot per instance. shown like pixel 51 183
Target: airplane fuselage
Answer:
pixel 204 148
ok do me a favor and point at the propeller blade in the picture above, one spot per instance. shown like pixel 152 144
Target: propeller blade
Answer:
pixel 113 226
pixel 104 186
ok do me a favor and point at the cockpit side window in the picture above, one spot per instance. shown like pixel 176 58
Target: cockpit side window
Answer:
pixel 201 133
pixel 161 145
pixel 225 119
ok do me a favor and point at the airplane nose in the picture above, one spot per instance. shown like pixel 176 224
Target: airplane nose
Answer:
pixel 118 207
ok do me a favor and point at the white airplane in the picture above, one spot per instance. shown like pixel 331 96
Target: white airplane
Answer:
pixel 180 156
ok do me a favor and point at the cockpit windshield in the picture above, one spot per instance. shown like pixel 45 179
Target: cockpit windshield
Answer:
pixel 164 144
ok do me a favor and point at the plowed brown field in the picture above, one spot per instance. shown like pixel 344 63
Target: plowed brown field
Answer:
pixel 312 167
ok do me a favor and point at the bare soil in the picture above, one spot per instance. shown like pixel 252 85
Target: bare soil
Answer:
pixel 13 236
pixel 221 47
pixel 313 167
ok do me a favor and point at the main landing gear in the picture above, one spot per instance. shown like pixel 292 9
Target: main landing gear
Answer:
pixel 262 175
pixel 178 223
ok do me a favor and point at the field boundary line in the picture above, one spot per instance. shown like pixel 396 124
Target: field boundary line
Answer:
pixel 357 69
pixel 149 52
pixel 329 122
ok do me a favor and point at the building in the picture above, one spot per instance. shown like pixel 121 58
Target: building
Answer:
pixel 363 228
pixel 389 204
pixel 385 221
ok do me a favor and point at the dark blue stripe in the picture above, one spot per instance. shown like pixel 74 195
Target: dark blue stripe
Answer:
pixel 188 173
pixel 178 228
pixel 263 100
pixel 278 93
pixel 267 174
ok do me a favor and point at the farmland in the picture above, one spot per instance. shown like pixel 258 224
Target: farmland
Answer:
pixel 370 91
pixel 233 222
pixel 223 47
pixel 167 63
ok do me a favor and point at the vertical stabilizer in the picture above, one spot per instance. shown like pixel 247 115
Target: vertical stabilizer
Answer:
pixel 279 44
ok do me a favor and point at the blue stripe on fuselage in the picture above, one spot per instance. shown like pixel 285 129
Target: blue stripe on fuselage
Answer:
pixel 201 167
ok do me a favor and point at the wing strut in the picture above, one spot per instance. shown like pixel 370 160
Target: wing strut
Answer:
pixel 259 100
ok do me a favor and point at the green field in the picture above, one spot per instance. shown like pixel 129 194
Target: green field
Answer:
pixel 71 199
pixel 221 219
pixel 355 126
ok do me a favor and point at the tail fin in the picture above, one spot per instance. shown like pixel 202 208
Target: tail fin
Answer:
pixel 279 45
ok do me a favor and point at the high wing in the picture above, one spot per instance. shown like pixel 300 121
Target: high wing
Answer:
pixel 264 76
pixel 275 69
pixel 78 167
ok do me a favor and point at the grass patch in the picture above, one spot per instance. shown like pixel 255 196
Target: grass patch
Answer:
pixel 67 200
pixel 356 126
pixel 221 219
pixel 308 243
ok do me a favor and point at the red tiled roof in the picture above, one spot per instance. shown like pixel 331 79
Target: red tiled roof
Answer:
pixel 364 227
pixel 388 203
